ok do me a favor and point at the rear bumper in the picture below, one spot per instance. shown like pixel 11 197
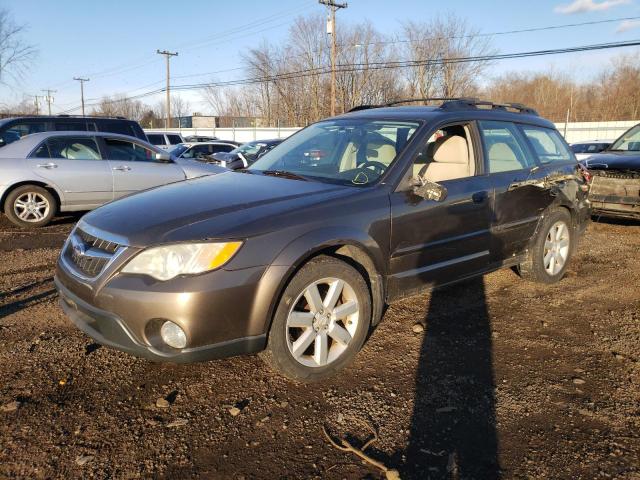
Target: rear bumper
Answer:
pixel 110 330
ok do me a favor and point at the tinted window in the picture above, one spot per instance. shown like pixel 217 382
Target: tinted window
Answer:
pixel 174 139
pixel 71 148
pixel 548 144
pixel 124 150
pixel 221 148
pixel 155 138
pixel 504 147
pixel 579 148
pixel 629 141
pixel 71 126
pixel 116 127
pixel 25 128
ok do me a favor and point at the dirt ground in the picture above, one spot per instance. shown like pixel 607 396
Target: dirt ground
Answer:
pixel 507 379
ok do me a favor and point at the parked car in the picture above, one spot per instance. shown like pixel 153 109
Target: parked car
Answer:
pixel 165 140
pixel 46 173
pixel 201 151
pixel 12 129
pixel 615 183
pixel 298 254
pixel 246 154
pixel 587 148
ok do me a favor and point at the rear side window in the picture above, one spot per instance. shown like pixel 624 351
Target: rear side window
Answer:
pixel 129 151
pixel 547 144
pixel 21 129
pixel 70 148
pixel 174 139
pixel 117 127
pixel 504 147
pixel 155 138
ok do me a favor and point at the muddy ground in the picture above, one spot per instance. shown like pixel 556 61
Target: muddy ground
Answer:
pixel 508 379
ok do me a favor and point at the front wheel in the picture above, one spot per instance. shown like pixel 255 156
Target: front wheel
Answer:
pixel 551 250
pixel 321 321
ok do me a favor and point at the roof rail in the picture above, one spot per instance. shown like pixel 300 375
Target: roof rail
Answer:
pixel 457 103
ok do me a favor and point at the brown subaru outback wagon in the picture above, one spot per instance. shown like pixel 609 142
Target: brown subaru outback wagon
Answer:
pixel 297 255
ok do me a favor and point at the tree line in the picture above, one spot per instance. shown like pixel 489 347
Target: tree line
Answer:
pixel 287 83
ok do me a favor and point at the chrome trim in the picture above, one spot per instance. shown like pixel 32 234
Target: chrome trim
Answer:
pixel 446 263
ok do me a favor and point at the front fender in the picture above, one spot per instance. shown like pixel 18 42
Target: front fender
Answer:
pixel 299 251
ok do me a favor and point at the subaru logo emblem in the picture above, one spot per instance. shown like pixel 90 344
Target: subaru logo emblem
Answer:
pixel 78 248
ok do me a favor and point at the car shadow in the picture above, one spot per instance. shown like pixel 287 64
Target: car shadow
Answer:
pixel 453 424
pixel 14 307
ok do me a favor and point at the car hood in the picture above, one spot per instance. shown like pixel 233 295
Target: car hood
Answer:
pixel 613 161
pixel 194 168
pixel 228 205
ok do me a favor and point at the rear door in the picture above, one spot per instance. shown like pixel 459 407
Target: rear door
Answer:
pixel 74 165
pixel 135 167
pixel 518 201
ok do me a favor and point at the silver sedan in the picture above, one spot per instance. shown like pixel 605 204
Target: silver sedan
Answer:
pixel 50 172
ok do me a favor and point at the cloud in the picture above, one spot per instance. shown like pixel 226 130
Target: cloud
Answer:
pixel 628 25
pixel 581 6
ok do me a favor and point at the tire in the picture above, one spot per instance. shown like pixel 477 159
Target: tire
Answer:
pixel 549 257
pixel 304 346
pixel 30 206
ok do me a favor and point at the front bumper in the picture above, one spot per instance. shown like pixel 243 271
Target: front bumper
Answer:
pixel 110 330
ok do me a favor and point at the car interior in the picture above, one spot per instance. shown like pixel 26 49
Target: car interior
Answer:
pixel 448 155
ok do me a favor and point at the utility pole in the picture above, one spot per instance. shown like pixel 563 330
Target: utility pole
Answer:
pixel 331 29
pixel 36 102
pixel 48 97
pixel 81 80
pixel 168 56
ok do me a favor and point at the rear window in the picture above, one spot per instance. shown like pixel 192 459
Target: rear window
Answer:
pixel 548 145
pixel 174 139
pixel 117 127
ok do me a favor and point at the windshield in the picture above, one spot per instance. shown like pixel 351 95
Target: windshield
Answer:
pixel 250 150
pixel 178 150
pixel 630 141
pixel 345 151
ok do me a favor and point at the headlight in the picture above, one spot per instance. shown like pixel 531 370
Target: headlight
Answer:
pixel 164 263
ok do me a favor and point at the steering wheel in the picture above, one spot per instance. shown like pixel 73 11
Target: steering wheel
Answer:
pixel 378 167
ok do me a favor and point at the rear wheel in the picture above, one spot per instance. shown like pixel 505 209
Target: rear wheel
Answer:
pixel 321 321
pixel 551 250
pixel 30 206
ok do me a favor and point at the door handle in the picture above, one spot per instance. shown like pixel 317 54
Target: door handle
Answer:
pixel 122 168
pixel 49 165
pixel 480 197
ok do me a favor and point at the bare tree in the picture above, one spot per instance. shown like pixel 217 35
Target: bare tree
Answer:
pixel 120 106
pixel 16 54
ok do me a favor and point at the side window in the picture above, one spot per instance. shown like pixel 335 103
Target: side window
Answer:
pixel 548 144
pixel 221 148
pixel 71 126
pixel 155 138
pixel 504 147
pixel 124 150
pixel 26 128
pixel 174 139
pixel 447 155
pixel 580 148
pixel 70 148
pixel 122 127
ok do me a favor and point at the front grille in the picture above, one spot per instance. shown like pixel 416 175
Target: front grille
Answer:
pixel 88 254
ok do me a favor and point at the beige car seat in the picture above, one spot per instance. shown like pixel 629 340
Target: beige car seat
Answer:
pixel 450 160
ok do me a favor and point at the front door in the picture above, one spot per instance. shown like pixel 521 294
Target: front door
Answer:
pixel 74 165
pixel 434 243
pixel 135 167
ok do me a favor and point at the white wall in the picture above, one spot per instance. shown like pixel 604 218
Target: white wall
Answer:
pixel 575 132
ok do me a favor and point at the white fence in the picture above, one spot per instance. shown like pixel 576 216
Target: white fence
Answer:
pixel 575 131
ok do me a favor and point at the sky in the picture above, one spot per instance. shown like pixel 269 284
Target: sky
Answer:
pixel 114 42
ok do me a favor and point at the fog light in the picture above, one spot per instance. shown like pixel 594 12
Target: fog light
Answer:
pixel 173 335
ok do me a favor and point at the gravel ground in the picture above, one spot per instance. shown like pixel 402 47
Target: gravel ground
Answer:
pixel 500 378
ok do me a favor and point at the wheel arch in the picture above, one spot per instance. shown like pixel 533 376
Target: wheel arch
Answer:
pixel 52 190
pixel 358 250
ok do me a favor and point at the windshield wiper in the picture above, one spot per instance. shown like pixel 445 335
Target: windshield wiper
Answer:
pixel 285 174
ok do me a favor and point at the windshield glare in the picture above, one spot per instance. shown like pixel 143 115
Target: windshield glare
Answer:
pixel 630 141
pixel 249 150
pixel 345 151
pixel 178 150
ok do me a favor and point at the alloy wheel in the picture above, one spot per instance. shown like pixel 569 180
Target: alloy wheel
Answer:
pixel 556 248
pixel 31 207
pixel 322 322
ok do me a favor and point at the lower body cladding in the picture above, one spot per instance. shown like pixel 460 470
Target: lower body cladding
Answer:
pixel 213 315
pixel 615 195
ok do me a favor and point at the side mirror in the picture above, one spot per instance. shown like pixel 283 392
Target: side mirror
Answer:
pixel 2 142
pixel 429 190
pixel 163 157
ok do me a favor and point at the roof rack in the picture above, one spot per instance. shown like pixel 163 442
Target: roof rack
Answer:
pixel 459 103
